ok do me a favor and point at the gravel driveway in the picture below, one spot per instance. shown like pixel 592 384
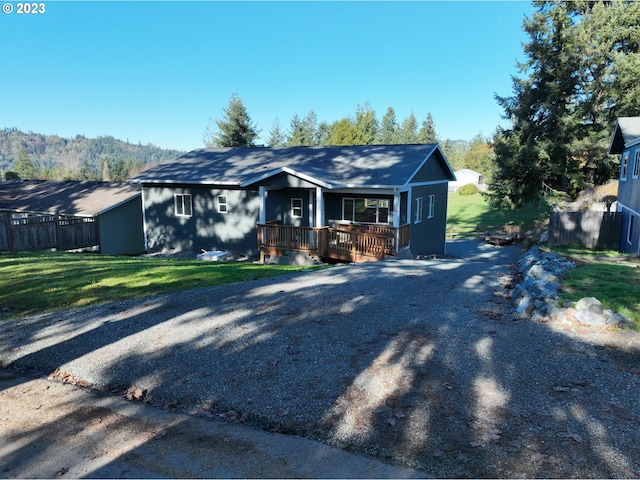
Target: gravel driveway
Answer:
pixel 418 362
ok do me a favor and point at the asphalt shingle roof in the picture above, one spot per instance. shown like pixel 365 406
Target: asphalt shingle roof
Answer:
pixel 373 165
pixel 70 198
pixel 626 133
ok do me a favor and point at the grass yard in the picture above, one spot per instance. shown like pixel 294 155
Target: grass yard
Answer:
pixel 466 212
pixel 601 274
pixel 37 282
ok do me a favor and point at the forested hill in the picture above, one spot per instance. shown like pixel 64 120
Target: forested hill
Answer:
pixel 77 158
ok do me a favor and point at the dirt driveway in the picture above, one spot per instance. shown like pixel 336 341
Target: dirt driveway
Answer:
pixel 419 363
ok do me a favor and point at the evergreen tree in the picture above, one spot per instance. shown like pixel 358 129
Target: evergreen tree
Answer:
pixel 303 130
pixel 388 132
pixel 427 133
pixel 367 124
pixel 324 133
pixel 578 77
pixel 277 137
pixel 24 166
pixel 87 171
pixel 344 132
pixel 234 130
pixel 409 130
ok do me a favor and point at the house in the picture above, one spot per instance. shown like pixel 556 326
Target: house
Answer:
pixel 269 201
pixel 625 142
pixel 110 213
pixel 466 176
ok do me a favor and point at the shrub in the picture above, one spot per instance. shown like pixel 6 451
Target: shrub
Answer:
pixel 468 189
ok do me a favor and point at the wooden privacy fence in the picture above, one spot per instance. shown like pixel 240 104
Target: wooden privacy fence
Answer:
pixel 593 230
pixel 44 231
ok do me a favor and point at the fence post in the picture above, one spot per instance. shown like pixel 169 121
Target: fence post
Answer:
pixel 56 239
pixel 9 224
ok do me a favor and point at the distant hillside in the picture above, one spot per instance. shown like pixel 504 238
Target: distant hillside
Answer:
pixel 80 157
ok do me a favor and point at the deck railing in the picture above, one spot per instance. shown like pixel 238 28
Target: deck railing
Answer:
pixel 351 242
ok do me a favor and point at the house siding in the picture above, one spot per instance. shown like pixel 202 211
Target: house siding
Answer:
pixel 207 229
pixel 121 230
pixel 428 236
pixel 279 207
pixel 629 205
pixel 432 170
pixel 629 187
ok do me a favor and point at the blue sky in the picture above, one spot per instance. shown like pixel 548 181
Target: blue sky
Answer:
pixel 157 71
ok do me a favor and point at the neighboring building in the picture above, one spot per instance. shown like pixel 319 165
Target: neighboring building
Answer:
pixel 114 207
pixel 626 143
pixel 215 199
pixel 465 177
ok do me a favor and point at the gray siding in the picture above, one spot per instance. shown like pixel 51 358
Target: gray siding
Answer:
pixel 433 169
pixel 234 231
pixel 629 201
pixel 629 189
pixel 121 230
pixel 629 240
pixel 428 236
pixel 279 206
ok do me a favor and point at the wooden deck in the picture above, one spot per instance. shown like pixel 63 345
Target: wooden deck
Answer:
pixel 351 243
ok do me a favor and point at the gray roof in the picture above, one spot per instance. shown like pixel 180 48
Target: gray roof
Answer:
pixel 70 197
pixel 330 167
pixel 626 134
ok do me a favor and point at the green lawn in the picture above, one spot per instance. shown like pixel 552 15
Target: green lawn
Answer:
pixel 616 284
pixel 36 282
pixel 602 275
pixel 466 213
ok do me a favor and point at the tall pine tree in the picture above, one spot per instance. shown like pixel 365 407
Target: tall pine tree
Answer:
pixel 565 102
pixel 235 129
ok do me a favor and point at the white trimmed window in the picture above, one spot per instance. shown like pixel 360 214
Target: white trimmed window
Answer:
pixel 296 207
pixel 624 166
pixel 636 165
pixel 366 210
pixel 182 205
pixel 223 206
pixel 432 206
pixel 417 214
pixel 632 222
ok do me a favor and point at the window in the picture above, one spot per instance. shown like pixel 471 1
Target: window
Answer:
pixel 296 207
pixel 624 166
pixel 183 205
pixel 365 210
pixel 417 217
pixel 432 206
pixel 636 165
pixel 223 206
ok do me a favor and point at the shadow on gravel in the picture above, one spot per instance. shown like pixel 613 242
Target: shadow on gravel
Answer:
pixel 418 362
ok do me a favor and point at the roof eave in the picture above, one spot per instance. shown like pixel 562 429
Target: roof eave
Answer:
pixel 290 171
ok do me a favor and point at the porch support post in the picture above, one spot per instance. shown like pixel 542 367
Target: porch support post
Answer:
pixel 263 205
pixel 396 208
pixel 396 217
pixel 319 208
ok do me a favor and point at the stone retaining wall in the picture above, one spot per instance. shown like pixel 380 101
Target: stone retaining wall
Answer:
pixel 535 293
